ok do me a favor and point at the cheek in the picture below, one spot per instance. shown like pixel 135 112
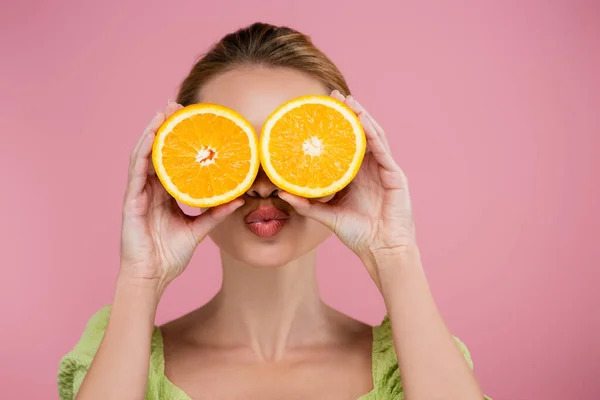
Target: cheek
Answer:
pixel 221 234
pixel 316 233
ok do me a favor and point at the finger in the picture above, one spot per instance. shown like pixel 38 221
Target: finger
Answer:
pixel 139 165
pixel 151 170
pixel 321 212
pixel 151 126
pixel 337 95
pixel 359 110
pixel 172 107
pixel 208 220
pixel 381 153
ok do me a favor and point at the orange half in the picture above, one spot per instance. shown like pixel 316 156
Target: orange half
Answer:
pixel 206 155
pixel 312 146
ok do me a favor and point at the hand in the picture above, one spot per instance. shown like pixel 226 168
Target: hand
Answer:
pixel 373 214
pixel 158 238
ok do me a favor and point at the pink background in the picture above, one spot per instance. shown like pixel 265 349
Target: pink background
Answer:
pixel 492 109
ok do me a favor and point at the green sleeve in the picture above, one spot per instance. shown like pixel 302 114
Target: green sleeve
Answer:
pixel 386 379
pixel 75 364
pixel 465 351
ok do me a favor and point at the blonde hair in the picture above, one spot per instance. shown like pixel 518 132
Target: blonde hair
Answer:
pixel 265 45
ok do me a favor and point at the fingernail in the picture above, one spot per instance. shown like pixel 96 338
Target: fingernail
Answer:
pixel 363 118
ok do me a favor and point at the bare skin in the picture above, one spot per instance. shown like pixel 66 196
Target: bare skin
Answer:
pixel 201 358
pixel 267 334
pixel 267 329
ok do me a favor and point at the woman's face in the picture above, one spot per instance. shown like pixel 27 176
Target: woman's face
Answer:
pixel 265 232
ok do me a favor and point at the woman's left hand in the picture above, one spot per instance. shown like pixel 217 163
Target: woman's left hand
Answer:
pixel 372 216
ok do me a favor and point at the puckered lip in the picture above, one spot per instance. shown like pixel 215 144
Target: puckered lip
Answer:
pixel 266 213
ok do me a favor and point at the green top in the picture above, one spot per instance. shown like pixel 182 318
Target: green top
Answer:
pixel 73 367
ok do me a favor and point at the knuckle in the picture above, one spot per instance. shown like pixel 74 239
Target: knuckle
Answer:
pixel 403 177
pixel 135 206
pixel 140 168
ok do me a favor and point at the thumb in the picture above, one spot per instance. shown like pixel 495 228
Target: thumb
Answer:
pixel 320 212
pixel 209 219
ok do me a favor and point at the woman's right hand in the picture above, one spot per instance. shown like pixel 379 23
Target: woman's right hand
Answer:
pixel 157 237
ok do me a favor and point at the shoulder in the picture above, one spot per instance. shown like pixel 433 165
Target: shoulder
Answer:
pixel 386 374
pixel 75 364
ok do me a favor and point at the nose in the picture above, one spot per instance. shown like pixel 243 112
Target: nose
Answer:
pixel 262 187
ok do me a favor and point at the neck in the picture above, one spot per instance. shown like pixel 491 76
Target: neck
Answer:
pixel 270 310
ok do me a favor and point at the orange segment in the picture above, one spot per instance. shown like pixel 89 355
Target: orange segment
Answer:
pixel 206 155
pixel 312 146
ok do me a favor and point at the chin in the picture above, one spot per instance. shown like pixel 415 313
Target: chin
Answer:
pixel 275 255
pixel 296 239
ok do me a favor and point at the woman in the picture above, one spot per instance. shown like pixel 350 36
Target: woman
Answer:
pixel 267 334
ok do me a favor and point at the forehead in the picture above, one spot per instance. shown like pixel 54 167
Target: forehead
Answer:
pixel 255 92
